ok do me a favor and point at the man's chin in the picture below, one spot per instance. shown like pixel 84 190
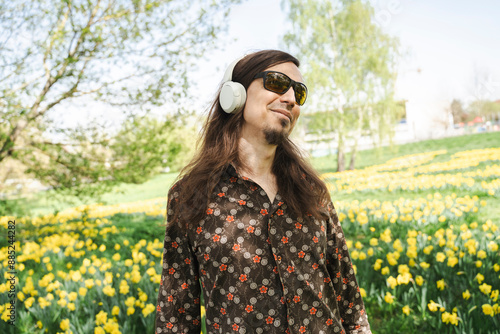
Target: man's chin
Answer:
pixel 275 136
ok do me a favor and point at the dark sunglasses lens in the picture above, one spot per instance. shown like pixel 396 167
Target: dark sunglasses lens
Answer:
pixel 300 93
pixel 277 82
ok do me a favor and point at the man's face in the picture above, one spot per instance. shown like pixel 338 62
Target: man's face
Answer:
pixel 268 113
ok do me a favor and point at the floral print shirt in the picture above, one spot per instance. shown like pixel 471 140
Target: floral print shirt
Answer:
pixel 262 269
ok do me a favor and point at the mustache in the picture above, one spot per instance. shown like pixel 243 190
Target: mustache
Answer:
pixel 283 106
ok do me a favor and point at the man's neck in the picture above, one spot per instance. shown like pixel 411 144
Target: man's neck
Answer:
pixel 257 156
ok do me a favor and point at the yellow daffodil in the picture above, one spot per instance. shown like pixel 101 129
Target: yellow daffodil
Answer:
pixel 389 298
pixel 440 257
pixel 485 288
pixel 441 284
pixel 124 288
pixel 130 301
pixel 494 295
pixel 72 296
pixel 150 308
pixel 64 324
pixel 109 291
pixel 111 326
pixel 99 330
pixel 378 264
pixel 452 261
pixel 493 246
pixel 424 265
pixel 43 303
pixel 75 276
pixel 82 291
pixel 488 310
pixel 392 282
pixel 481 254
pixel 29 302
pixel 101 318
pixel 428 249
pixel 433 306
pixel 480 278
pixel 450 318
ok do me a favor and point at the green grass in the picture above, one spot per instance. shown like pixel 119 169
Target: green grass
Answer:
pixel 383 318
pixel 380 155
pixel 46 202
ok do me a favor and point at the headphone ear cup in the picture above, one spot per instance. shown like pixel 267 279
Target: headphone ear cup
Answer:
pixel 232 97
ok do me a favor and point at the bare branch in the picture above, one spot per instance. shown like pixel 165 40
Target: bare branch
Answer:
pixel 24 85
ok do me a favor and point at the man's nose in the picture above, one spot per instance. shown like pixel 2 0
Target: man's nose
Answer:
pixel 289 97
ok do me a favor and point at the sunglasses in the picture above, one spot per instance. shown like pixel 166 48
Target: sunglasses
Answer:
pixel 280 83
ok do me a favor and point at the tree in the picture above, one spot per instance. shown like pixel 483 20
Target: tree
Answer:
pixel 458 112
pixel 487 110
pixel 133 55
pixel 94 162
pixel 349 63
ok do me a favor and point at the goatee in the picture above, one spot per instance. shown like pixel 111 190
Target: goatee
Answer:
pixel 276 137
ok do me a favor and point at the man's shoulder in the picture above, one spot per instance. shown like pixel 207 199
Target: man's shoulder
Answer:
pixel 175 188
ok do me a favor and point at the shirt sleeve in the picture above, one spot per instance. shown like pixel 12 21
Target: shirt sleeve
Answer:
pixel 178 307
pixel 351 306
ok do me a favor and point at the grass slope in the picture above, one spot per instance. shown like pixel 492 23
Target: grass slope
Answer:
pixel 46 202
pixel 380 155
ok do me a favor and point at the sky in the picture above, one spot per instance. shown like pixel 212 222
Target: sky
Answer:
pixel 447 46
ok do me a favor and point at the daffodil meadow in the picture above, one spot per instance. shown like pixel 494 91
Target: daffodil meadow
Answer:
pixel 79 272
pixel 426 256
pixel 427 260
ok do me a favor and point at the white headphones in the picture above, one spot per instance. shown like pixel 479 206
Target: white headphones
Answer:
pixel 232 95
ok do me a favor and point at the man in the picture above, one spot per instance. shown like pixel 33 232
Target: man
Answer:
pixel 250 224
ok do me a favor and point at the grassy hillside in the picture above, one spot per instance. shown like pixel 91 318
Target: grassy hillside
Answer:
pixel 45 202
pixel 377 156
pixel 422 223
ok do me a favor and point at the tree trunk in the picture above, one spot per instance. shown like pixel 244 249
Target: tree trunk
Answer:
pixel 357 136
pixel 353 156
pixel 340 155
pixel 340 144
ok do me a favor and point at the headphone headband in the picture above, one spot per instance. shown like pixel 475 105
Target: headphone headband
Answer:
pixel 228 75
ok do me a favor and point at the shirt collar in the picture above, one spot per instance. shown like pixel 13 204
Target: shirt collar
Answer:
pixel 230 171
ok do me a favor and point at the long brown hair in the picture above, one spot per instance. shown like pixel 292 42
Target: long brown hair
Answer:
pixel 298 182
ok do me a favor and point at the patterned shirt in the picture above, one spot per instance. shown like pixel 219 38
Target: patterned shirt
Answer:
pixel 261 268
